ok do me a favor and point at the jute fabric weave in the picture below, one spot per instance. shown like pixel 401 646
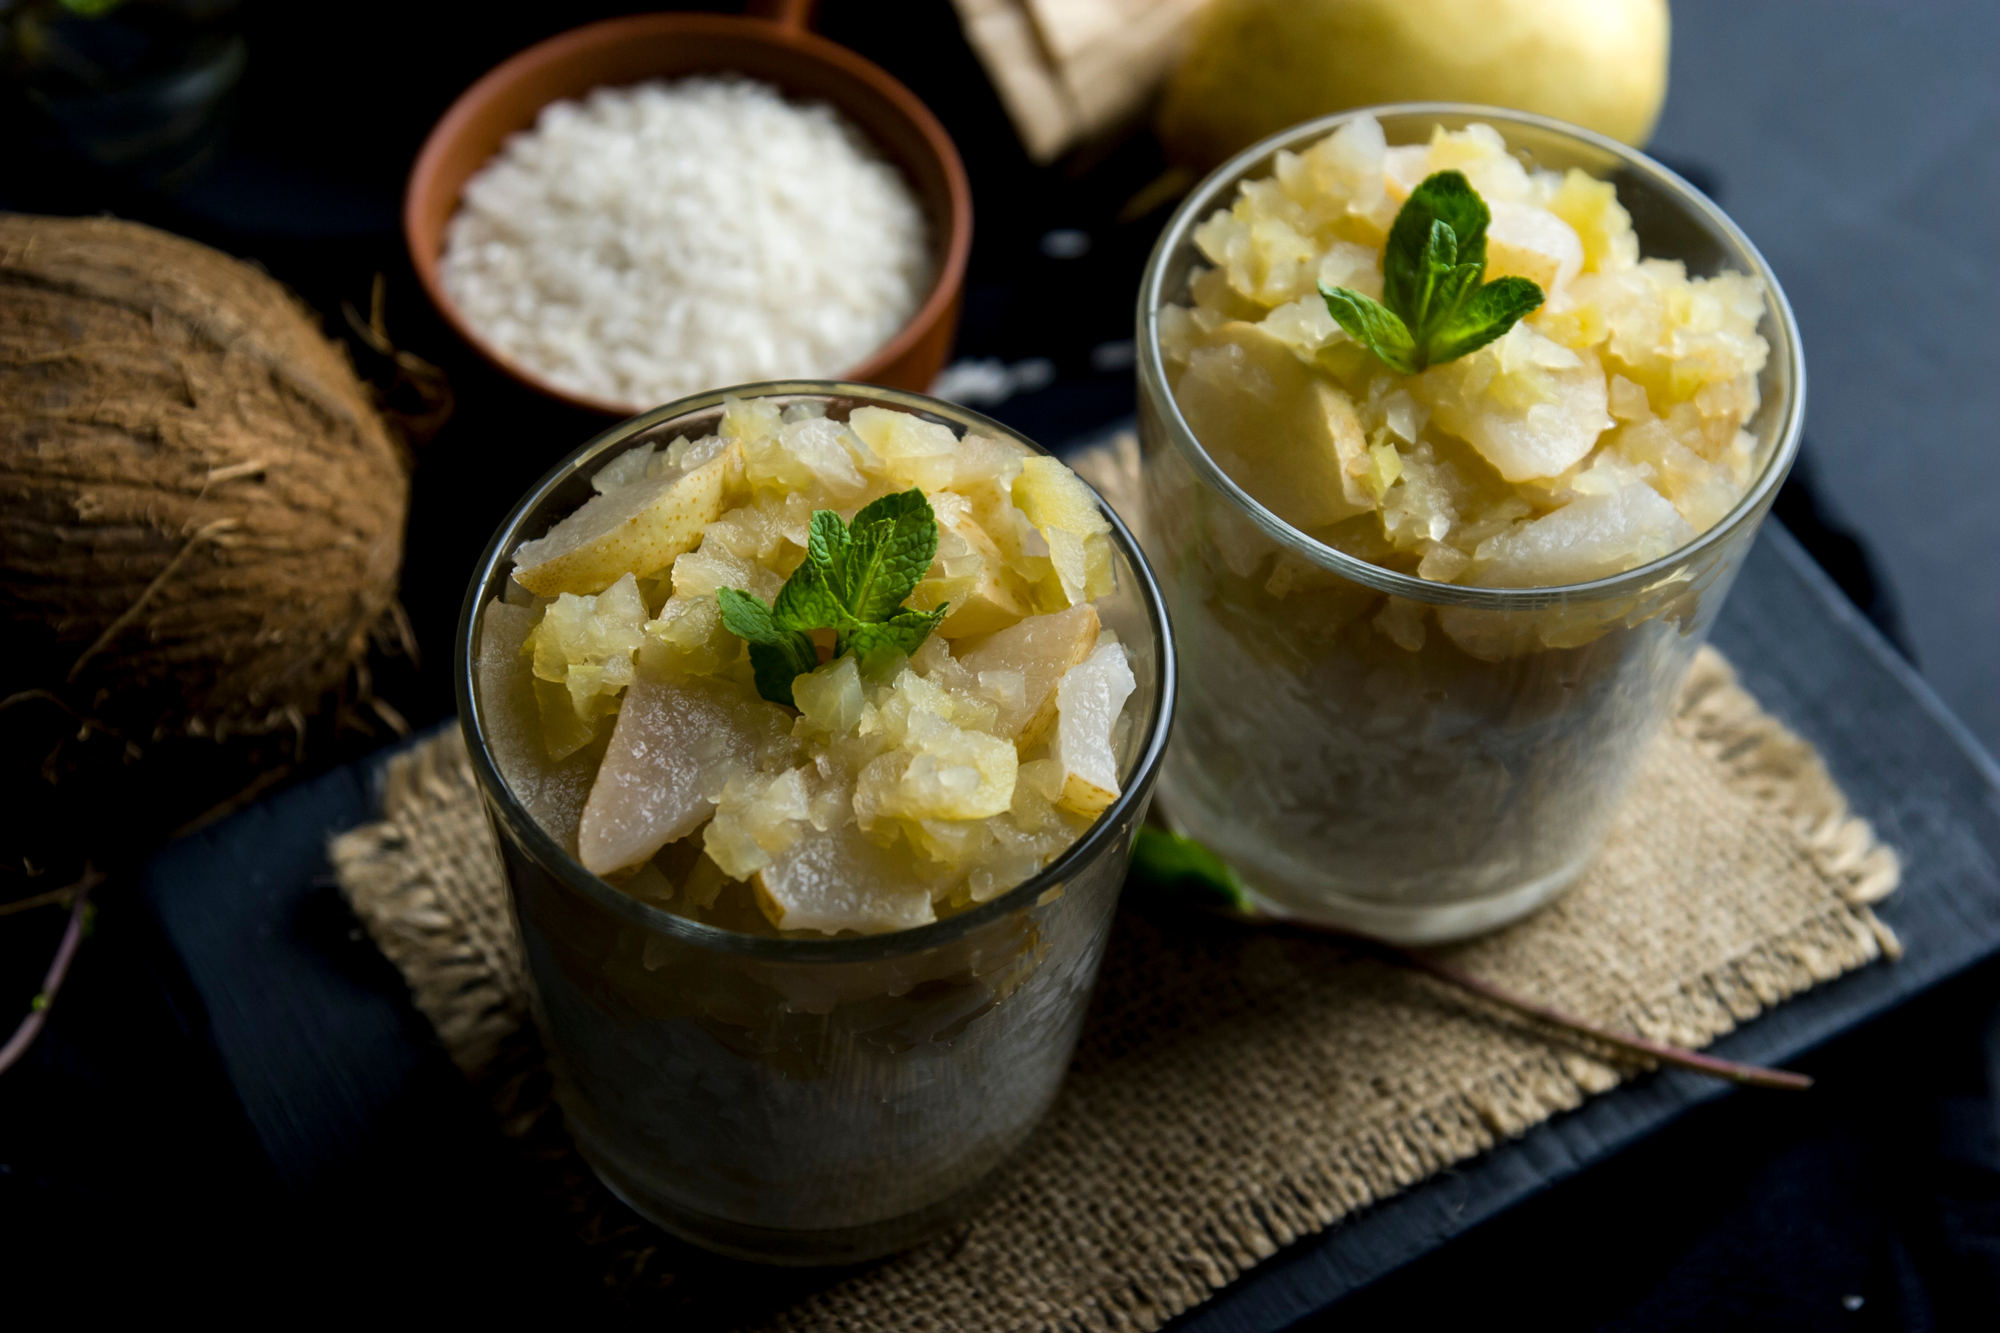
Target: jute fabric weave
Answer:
pixel 1234 1091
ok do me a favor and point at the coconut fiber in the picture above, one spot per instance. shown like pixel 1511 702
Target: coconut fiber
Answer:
pixel 201 514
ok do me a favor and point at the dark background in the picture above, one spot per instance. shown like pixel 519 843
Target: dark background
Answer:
pixel 1855 141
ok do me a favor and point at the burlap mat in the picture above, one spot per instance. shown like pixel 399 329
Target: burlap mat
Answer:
pixel 1234 1091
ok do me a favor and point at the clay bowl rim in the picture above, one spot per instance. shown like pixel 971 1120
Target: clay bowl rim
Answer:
pixel 946 288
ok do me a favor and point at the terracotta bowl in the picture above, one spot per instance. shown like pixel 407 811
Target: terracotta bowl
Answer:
pixel 779 51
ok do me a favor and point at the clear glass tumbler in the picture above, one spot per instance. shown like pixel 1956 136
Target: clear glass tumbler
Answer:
pixel 1428 795
pixel 808 1100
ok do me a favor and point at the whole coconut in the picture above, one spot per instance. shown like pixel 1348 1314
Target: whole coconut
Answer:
pixel 201 514
pixel 1255 67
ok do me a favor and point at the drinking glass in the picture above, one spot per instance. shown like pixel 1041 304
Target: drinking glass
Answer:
pixel 808 1100
pixel 1425 795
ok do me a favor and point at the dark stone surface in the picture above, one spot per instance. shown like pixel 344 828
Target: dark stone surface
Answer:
pixel 1857 142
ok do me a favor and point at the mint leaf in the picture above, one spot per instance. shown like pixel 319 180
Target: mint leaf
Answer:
pixel 1454 285
pixel 1446 197
pixel 1434 307
pixel 1439 260
pixel 778 654
pixel 892 544
pixel 1187 870
pixel 1488 313
pixel 812 597
pixel 874 645
pixel 854 580
pixel 776 666
pixel 1374 326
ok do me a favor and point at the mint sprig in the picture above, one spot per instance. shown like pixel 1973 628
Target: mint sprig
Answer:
pixel 1435 307
pixel 1189 871
pixel 854 581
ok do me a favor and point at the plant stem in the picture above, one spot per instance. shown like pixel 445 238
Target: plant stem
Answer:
pixel 31 1026
pixel 1756 1076
pixel 61 895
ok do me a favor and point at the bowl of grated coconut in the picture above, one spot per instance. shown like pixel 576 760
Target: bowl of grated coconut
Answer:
pixel 659 205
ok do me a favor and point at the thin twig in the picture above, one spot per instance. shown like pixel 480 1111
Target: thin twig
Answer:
pixel 61 895
pixel 1756 1076
pixel 31 1026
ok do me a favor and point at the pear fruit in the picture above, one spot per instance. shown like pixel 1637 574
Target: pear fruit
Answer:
pixel 1255 67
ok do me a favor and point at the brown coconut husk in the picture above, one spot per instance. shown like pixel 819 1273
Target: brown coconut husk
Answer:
pixel 201 512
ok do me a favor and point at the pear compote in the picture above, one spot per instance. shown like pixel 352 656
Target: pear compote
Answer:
pixel 1597 434
pixel 918 711
pixel 1501 464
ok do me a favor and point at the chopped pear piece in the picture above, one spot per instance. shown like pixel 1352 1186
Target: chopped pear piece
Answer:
pixel 582 650
pixel 839 880
pixel 1530 406
pixel 1041 649
pixel 1602 225
pixel 1594 536
pixel 1088 701
pixel 638 528
pixel 1065 513
pixel 910 450
pixel 830 697
pixel 677 742
pixel 1280 430
pixel 969 574
pixel 944 772
pixel 1404 169
pixel 552 791
pixel 1527 242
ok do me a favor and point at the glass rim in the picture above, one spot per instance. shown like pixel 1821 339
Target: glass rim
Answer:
pixel 491 569
pixel 1666 570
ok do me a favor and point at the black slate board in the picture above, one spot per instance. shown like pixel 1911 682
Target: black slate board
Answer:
pixel 357 1108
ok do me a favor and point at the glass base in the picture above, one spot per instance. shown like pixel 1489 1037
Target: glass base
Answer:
pixel 786 1248
pixel 1398 923
pixel 1422 923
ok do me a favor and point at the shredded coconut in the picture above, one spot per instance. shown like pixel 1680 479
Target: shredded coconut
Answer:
pixel 654 241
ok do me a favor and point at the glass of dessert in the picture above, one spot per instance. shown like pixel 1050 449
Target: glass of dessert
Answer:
pixel 815 721
pixel 1456 425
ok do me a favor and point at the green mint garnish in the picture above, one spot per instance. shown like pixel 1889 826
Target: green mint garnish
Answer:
pixel 1187 870
pixel 854 581
pixel 1434 306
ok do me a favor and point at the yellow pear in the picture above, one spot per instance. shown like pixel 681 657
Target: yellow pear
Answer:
pixel 1255 67
pixel 1282 431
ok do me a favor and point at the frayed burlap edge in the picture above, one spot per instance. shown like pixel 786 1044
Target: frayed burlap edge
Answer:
pixel 432 894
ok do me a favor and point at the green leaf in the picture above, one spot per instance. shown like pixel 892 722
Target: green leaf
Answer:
pixel 1439 259
pixel 776 666
pixel 875 645
pixel 1454 286
pixel 1185 869
pixel 827 540
pixel 854 580
pixel 892 544
pixel 1446 197
pixel 746 617
pixel 1431 272
pixel 778 654
pixel 1374 326
pixel 1490 312
pixel 812 597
